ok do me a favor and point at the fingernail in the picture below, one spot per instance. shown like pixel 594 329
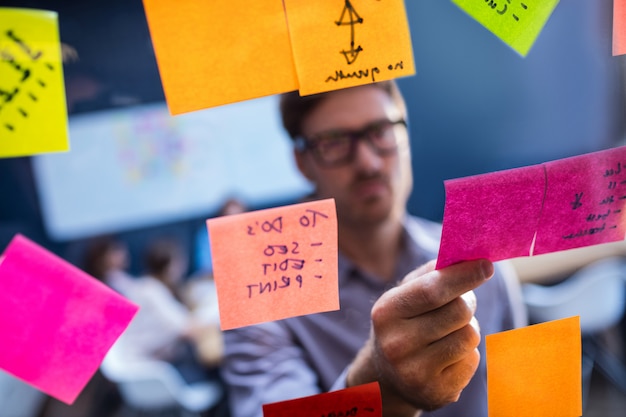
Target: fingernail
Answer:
pixel 487 269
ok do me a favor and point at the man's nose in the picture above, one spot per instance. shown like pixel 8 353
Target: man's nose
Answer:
pixel 365 156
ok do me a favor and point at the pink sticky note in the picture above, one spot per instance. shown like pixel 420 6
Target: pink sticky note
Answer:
pixel 559 205
pixel 56 322
pixel 584 201
pixel 275 263
pixel 619 27
pixel 362 400
pixel 492 216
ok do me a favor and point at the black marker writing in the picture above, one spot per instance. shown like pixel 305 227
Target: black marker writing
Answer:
pixel 272 286
pixel 585 232
pixel 505 7
pixel 307 221
pixel 267 226
pixel 283 265
pixel 353 19
pixel 595 217
pixel 613 171
pixel 576 203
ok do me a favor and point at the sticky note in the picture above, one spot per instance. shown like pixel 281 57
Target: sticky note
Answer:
pixel 565 204
pixel 492 216
pixel 211 53
pixel 275 263
pixel 516 22
pixel 584 203
pixel 619 27
pixel 362 400
pixel 56 322
pixel 535 370
pixel 342 44
pixel 33 114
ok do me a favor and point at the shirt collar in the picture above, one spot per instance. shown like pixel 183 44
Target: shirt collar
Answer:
pixel 420 244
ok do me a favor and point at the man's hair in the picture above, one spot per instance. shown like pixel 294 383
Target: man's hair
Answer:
pixel 295 108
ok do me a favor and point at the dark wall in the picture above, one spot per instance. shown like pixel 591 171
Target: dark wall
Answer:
pixel 475 105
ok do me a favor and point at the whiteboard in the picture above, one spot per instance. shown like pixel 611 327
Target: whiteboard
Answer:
pixel 139 166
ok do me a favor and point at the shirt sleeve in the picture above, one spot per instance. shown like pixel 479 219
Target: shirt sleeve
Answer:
pixel 262 364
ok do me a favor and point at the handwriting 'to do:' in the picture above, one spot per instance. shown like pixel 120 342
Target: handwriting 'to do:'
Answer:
pixel 310 218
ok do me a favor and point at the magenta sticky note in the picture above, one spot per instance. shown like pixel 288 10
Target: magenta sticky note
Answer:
pixel 558 205
pixel 584 201
pixel 492 216
pixel 56 322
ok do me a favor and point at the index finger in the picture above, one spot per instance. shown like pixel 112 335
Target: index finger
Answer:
pixel 427 289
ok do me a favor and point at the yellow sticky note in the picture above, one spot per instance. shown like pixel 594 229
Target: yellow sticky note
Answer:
pixel 517 22
pixel 211 53
pixel 338 44
pixel 535 370
pixel 275 263
pixel 33 114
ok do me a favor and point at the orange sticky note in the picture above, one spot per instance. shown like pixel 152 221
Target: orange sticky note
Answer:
pixel 276 263
pixel 33 115
pixel 362 400
pixel 342 44
pixel 619 27
pixel 211 53
pixel 536 370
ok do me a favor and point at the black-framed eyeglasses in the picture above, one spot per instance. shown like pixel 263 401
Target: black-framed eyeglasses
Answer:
pixel 337 147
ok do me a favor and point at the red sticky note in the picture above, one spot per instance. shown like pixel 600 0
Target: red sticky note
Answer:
pixel 619 27
pixel 56 322
pixel 492 216
pixel 362 400
pixel 584 203
pixel 535 370
pixel 275 263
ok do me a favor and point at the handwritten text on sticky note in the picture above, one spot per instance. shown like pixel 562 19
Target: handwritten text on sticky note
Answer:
pixel 211 53
pixel 517 22
pixel 342 44
pixel 33 115
pixel 565 204
pixel 360 401
pixel 535 370
pixel 56 322
pixel 275 263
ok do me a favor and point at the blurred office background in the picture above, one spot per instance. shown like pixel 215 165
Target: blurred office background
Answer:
pixel 474 106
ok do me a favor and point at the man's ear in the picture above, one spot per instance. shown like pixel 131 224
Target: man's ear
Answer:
pixel 303 164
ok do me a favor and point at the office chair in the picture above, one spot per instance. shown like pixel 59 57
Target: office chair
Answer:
pixel 153 387
pixel 596 293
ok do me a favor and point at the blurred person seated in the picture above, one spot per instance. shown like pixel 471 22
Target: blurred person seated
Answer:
pixel 200 294
pixel 107 259
pixel 164 328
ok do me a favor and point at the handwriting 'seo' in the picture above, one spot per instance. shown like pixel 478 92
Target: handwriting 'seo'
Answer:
pixel 275 263
pixel 33 116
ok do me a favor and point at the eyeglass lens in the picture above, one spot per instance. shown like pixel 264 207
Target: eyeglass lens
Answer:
pixel 339 146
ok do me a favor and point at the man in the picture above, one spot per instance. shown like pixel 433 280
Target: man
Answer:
pixel 412 330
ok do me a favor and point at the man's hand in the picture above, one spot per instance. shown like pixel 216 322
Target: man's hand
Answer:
pixel 423 345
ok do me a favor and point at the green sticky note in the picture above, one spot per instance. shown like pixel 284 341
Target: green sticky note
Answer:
pixel 517 22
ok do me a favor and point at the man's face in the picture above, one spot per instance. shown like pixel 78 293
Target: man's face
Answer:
pixel 372 187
